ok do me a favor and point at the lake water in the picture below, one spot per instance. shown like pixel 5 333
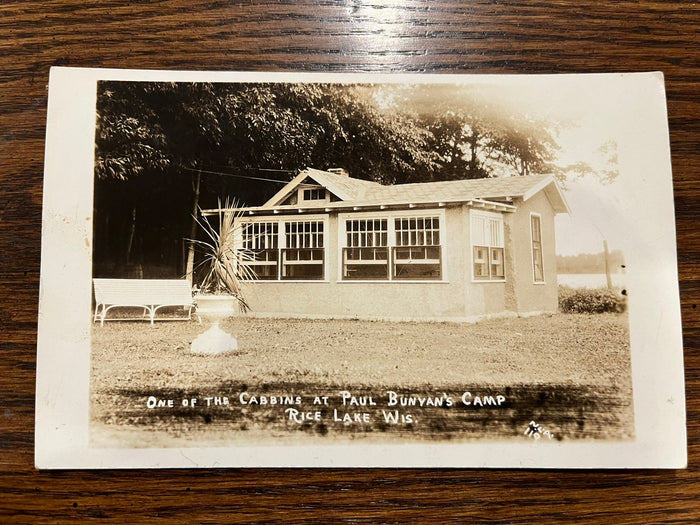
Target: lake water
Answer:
pixel 589 280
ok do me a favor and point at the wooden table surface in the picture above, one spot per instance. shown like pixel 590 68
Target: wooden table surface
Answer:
pixel 428 36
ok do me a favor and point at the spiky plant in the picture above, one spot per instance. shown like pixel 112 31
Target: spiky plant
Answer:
pixel 224 261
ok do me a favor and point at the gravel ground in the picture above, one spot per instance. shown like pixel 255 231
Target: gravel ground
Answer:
pixel 558 348
pixel 569 372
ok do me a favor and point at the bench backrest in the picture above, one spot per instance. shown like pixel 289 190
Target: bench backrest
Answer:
pixel 143 291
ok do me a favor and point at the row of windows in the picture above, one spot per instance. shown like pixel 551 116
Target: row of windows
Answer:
pixel 294 250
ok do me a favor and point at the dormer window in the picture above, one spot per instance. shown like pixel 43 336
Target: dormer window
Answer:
pixel 314 194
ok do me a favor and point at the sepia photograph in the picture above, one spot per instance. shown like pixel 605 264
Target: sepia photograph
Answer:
pixel 334 262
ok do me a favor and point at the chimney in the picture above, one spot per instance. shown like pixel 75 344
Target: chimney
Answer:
pixel 339 171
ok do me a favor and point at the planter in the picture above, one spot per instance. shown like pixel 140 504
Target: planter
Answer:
pixel 214 308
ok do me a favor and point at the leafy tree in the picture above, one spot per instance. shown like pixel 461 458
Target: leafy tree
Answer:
pixel 148 135
pixel 188 144
pixel 154 140
pixel 478 134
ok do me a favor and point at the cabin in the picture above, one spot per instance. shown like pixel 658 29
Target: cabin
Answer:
pixel 331 246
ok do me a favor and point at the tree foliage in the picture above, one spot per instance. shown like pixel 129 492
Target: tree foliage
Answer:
pixel 388 133
pixel 153 139
pixel 477 134
pixel 156 127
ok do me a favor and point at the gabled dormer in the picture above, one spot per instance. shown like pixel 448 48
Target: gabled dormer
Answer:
pixel 316 187
pixel 308 191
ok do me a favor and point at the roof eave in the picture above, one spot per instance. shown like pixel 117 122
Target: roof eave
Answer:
pixel 551 188
pixel 359 206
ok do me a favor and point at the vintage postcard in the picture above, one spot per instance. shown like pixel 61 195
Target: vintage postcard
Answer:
pixel 248 269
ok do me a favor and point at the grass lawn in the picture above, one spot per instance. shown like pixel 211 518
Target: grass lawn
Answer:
pixel 571 371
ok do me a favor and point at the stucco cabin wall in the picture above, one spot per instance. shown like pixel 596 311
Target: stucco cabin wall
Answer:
pixel 531 296
pixel 456 297
pixel 439 300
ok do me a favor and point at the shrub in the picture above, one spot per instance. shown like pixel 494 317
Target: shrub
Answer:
pixel 591 301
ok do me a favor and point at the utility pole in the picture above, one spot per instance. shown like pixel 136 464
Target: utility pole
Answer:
pixel 606 255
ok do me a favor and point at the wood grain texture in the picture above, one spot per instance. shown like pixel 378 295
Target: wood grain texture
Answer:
pixel 436 36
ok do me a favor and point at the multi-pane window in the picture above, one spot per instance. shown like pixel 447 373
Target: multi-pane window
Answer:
pixel 366 255
pixel 261 245
pixel 303 254
pixel 314 194
pixel 416 254
pixel 536 233
pixel 488 253
pixel 391 248
pixel 284 249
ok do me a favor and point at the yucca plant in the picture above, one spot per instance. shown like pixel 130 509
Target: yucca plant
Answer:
pixel 224 263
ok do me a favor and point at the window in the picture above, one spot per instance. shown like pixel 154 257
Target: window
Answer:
pixel 488 252
pixel 314 194
pixel 260 240
pixel 416 254
pixel 366 255
pixel 390 247
pixel 284 249
pixel 536 234
pixel 303 252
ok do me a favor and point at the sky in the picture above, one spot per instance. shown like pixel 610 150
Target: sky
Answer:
pixel 585 112
pixel 591 114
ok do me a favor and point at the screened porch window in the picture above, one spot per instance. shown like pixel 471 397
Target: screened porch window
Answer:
pixel 417 251
pixel 260 242
pixel 488 252
pixel 366 255
pixel 303 254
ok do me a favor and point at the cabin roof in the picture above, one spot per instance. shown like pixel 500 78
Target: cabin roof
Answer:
pixel 497 193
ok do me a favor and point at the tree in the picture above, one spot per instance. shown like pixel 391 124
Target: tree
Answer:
pixel 154 140
pixel 477 133
pixel 148 135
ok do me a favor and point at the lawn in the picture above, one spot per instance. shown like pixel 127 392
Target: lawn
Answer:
pixel 571 371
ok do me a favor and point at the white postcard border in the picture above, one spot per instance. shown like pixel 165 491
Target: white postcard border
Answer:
pixel 63 349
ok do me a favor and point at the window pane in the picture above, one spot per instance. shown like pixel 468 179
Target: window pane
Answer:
pixel 416 271
pixel 481 262
pixel 417 263
pixel 365 233
pixel 537 265
pixel 537 262
pixel 303 257
pixel 402 253
pixel 366 254
pixel 303 272
pixel 314 194
pixel 365 263
pixel 302 263
pixel 477 230
pixel 432 252
pixel 497 266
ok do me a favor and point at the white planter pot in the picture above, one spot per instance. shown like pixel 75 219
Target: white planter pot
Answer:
pixel 215 308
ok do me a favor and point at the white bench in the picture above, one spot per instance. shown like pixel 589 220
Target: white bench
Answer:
pixel 147 294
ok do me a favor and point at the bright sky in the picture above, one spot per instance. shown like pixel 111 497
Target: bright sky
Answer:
pixel 589 223
pixel 590 110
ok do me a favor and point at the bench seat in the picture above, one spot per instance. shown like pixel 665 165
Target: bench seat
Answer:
pixel 150 295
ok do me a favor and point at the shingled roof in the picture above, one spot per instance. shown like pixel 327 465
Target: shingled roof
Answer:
pixel 361 193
